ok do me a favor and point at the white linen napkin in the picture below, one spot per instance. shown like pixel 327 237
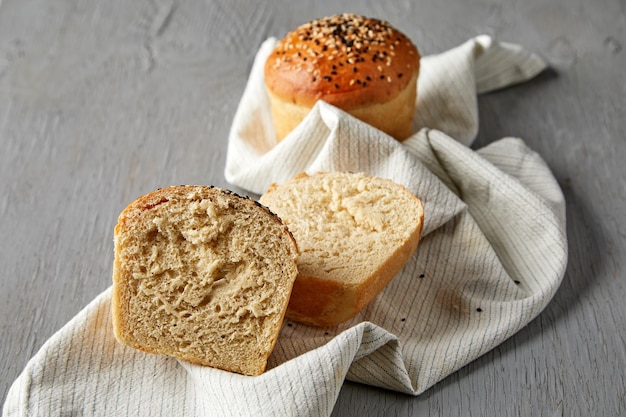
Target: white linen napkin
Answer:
pixel 492 255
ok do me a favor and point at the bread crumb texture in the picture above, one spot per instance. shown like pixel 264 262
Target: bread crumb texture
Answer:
pixel 203 275
pixel 354 232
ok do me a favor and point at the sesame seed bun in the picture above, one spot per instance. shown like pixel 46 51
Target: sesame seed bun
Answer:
pixel 362 65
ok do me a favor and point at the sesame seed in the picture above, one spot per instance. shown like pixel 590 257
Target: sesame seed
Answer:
pixel 342 39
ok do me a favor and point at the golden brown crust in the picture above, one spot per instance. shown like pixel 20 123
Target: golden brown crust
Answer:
pixel 346 60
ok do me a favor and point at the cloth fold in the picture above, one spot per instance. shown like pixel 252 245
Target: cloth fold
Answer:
pixel 492 255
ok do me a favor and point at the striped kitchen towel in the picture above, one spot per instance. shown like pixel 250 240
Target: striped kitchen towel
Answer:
pixel 492 255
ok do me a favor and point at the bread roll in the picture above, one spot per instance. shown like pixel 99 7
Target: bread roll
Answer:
pixel 363 66
pixel 355 232
pixel 203 275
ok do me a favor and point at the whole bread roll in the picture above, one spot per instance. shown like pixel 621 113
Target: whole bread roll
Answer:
pixel 362 65
pixel 203 275
pixel 354 231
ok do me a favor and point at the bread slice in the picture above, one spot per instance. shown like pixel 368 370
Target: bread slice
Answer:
pixel 203 275
pixel 355 232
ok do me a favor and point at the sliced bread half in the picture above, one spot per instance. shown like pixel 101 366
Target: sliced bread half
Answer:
pixel 203 275
pixel 354 231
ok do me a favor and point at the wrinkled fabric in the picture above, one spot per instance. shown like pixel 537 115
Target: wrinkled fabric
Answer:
pixel 492 255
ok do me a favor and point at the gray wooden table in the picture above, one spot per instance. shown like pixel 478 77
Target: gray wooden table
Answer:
pixel 102 101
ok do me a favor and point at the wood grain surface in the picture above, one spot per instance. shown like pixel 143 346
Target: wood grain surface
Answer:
pixel 102 101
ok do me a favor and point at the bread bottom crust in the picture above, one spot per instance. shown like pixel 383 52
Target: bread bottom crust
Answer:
pixel 394 117
pixel 323 302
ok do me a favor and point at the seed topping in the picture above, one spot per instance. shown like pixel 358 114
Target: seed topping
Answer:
pixel 345 40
